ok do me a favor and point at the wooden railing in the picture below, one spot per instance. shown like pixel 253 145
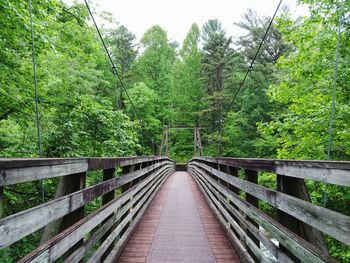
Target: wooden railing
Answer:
pixel 296 234
pixel 67 234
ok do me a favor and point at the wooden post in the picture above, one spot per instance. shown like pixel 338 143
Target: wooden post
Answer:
pixel 234 172
pixel 75 182
pixel 125 170
pixel 107 175
pixel 252 176
pixel 66 185
pixel 221 168
pixel 297 187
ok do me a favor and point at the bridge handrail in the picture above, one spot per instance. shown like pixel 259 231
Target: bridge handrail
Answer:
pixel 223 186
pixel 20 170
pixel 65 227
pixel 332 172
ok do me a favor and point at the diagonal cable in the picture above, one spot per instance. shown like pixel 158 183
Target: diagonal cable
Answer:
pixel 250 66
pixel 335 75
pixel 115 72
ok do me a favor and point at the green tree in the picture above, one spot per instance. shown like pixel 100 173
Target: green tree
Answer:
pixel 154 68
pixel 301 126
pixel 241 136
pixel 217 65
pixel 187 77
pixel 145 102
pixel 188 93
pixel 123 47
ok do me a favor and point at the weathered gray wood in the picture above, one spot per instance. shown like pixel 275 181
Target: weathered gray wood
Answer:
pixel 333 172
pixel 58 245
pixel 331 176
pixel 252 176
pixel 107 175
pixel 14 171
pixel 136 213
pixel 240 249
pixel 12 228
pixel 296 187
pixel 108 163
pixel 234 172
pixel 294 243
pixel 275 251
pixel 77 255
pixel 76 183
pixel 323 219
pixel 242 235
pixel 11 163
pixel 10 176
pixel 52 229
pixel 125 222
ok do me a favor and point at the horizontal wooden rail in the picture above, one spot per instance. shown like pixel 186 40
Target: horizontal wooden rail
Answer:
pixel 247 226
pixel 12 229
pixel 331 172
pixel 73 237
pixel 14 171
pixel 328 221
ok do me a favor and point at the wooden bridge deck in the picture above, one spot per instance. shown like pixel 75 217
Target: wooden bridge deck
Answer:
pixel 179 227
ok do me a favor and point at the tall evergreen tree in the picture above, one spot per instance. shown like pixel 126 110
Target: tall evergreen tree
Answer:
pixel 217 65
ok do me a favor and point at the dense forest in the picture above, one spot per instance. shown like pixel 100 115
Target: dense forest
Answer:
pixel 282 110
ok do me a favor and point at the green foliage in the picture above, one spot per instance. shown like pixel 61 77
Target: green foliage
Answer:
pixel 93 130
pixel 154 68
pixel 304 89
pixel 303 93
pixel 282 110
pixel 145 102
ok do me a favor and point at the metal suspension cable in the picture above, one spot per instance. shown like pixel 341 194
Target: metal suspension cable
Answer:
pixel 114 68
pixel 250 66
pixel 335 75
pixel 36 95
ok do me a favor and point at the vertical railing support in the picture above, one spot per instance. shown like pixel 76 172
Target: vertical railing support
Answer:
pixel 285 185
pixel 107 175
pixel 252 176
pixel 234 172
pixel 66 185
pixel 75 182
pixel 297 187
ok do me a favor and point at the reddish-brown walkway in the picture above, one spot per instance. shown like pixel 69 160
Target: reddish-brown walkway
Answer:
pixel 179 227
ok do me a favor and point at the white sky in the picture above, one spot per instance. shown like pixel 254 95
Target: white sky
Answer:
pixel 176 17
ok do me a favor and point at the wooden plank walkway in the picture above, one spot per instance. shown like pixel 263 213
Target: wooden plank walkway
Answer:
pixel 179 227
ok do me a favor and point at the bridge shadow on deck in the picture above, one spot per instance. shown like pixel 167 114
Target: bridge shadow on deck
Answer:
pixel 179 227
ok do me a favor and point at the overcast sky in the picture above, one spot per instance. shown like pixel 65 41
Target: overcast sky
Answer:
pixel 176 17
